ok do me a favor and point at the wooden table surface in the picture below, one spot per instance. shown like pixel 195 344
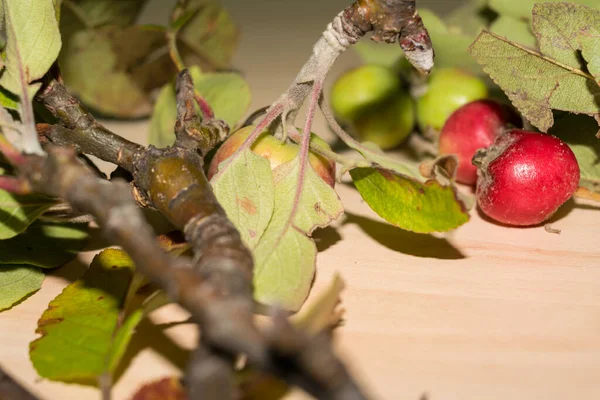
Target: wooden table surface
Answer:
pixel 487 312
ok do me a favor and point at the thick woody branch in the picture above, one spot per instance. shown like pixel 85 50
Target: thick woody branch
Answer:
pixel 84 131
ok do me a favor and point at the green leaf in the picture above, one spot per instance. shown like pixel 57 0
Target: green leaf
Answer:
pixel 318 205
pixel 522 8
pixel 86 328
pixel 535 83
pixel 563 29
pixel 471 17
pixel 579 132
pixel 284 268
pixel 227 93
pixel 245 190
pixel 285 256
pixel 18 212
pixel 209 38
pixel 44 245
pixel 409 204
pixel 32 45
pixel 111 68
pixel 378 53
pixel 8 100
pixel 33 42
pixel 17 282
pixel 104 12
pixel 515 30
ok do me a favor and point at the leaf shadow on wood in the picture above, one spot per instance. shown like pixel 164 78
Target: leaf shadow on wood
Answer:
pixel 561 213
pixel 151 336
pixel 70 271
pixel 326 237
pixel 410 243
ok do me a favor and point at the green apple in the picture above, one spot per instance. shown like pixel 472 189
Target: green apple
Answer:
pixel 362 88
pixel 388 124
pixel 448 89
pixel 274 150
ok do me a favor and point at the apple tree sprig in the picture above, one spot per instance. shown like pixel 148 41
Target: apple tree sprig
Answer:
pixel 188 202
pixel 389 21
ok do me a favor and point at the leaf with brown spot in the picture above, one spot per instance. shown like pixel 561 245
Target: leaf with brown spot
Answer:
pixel 556 78
pixel 245 190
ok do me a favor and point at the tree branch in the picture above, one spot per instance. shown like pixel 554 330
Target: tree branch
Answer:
pixel 84 131
pixel 216 287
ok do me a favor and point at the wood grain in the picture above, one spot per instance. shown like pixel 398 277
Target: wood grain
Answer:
pixel 487 312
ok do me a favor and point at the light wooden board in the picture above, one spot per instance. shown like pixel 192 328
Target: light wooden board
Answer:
pixel 488 312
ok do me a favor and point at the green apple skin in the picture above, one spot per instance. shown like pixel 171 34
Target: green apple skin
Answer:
pixel 274 150
pixel 387 125
pixel 361 88
pixel 448 89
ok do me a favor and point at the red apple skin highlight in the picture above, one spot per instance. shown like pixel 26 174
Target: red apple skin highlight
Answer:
pixel 472 127
pixel 524 177
pixel 275 151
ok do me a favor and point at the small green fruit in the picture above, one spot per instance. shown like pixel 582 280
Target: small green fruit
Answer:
pixel 448 89
pixel 387 125
pixel 361 88
pixel 274 150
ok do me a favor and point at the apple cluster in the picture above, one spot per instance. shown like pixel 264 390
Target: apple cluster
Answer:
pixel 521 177
pixel 374 102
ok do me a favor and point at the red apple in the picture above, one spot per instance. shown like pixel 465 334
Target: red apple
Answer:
pixel 474 126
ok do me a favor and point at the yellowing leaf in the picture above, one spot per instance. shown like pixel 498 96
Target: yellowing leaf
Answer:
pixel 535 83
pixel 409 204
pixel 17 282
pixel 285 256
pixel 227 93
pixel 245 190
pixel 85 329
